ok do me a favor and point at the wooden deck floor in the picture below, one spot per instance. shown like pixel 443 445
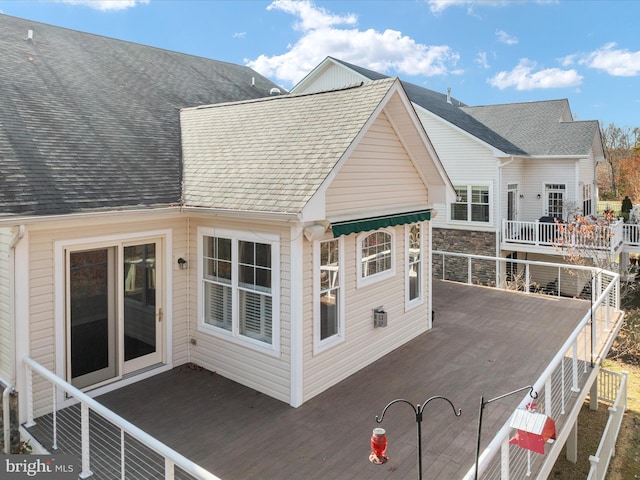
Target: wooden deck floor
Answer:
pixel 484 342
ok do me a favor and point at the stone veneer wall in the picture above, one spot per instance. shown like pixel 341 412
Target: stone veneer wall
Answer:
pixel 464 241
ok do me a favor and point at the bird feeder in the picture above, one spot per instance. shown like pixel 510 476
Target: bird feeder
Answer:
pixel 534 429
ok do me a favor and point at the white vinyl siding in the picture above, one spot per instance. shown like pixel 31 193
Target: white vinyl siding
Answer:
pixel 256 368
pixel 6 316
pixel 378 175
pixel 332 77
pixel 461 155
pixel 363 343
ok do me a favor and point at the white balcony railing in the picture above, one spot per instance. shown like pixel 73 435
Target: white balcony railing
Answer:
pixel 120 448
pixel 568 373
pixel 632 235
pixel 549 234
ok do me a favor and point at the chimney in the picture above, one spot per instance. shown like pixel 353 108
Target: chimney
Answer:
pixel 449 96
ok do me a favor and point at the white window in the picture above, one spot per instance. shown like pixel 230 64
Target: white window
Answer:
pixel 414 263
pixel 329 301
pixel 472 204
pixel 239 276
pixel 586 199
pixel 375 256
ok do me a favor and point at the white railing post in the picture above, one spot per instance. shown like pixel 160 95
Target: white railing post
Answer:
pixel 504 460
pixel 574 385
pixel 84 435
pixel 469 270
pixel 594 466
pixel 123 458
pixel 29 379
pixel 55 418
pixel 169 469
pixel 548 402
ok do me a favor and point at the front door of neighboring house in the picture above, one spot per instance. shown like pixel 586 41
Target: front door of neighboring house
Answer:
pixel 554 194
pixel 114 311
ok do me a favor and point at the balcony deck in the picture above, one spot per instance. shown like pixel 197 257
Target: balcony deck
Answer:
pixel 484 342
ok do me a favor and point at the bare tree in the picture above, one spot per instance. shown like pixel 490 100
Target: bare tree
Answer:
pixel 618 143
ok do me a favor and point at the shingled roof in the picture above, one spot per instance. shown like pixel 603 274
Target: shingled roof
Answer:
pixel 92 123
pixel 516 129
pixel 272 155
pixel 541 128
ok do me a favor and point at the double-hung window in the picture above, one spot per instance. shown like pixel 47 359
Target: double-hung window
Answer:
pixel 329 303
pixel 587 199
pixel 414 263
pixel 239 294
pixel 472 204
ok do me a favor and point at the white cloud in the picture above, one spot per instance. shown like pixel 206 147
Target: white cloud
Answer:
pixel 504 37
pixel 322 36
pixel 616 62
pixel 106 5
pixel 438 6
pixel 239 35
pixel 481 59
pixel 523 77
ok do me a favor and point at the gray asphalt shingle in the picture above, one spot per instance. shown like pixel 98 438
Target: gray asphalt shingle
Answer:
pixel 271 155
pixel 88 122
pixel 518 129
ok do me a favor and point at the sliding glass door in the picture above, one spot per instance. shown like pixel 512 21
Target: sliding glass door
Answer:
pixel 114 312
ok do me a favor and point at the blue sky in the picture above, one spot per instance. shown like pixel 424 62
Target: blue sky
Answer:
pixel 487 51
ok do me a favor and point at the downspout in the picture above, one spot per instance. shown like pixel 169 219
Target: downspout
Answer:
pixel 9 389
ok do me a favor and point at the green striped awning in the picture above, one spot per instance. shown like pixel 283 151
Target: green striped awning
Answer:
pixel 375 223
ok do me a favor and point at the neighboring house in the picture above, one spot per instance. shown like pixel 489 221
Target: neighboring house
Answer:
pixel 259 238
pixel 515 168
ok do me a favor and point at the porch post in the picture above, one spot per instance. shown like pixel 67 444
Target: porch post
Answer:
pixel 572 443
pixel 86 457
pixel 593 395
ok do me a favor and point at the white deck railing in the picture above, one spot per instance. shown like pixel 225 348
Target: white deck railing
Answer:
pixel 612 387
pixel 547 234
pixel 74 430
pixel 567 373
pixel 632 235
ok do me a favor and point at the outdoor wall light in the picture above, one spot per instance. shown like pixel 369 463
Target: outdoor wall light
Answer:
pixel 538 196
pixel 522 195
pixel 182 263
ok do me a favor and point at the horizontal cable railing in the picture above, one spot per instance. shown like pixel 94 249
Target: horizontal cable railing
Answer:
pixel 570 369
pixel 612 387
pixel 107 446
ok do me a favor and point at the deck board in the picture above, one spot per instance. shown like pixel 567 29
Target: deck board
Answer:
pixel 484 342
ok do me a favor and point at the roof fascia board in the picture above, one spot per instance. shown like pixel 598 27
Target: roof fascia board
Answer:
pixel 163 211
